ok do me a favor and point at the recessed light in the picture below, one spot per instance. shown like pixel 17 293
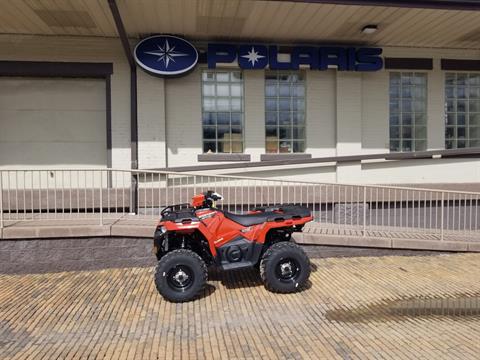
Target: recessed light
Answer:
pixel 369 29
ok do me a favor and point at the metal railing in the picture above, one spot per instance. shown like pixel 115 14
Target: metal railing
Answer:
pixel 98 195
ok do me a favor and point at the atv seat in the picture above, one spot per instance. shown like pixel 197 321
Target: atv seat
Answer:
pixel 248 219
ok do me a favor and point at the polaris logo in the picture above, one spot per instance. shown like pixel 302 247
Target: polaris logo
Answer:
pixel 165 55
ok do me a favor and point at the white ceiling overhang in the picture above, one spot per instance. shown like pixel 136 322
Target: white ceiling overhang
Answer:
pixel 250 20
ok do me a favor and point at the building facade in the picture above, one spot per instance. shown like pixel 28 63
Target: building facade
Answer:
pixel 422 99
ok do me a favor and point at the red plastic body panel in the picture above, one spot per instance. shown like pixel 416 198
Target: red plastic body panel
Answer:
pixel 219 230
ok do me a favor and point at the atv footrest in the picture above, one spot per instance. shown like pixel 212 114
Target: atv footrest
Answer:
pixel 237 265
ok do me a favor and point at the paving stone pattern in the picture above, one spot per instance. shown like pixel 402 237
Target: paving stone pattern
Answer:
pixel 117 314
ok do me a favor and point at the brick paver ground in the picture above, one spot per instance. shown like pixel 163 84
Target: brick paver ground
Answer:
pixel 117 313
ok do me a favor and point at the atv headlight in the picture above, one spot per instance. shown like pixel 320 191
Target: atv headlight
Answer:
pixel 159 232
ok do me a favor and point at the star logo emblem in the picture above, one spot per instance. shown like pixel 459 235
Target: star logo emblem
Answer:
pixel 252 56
pixel 166 53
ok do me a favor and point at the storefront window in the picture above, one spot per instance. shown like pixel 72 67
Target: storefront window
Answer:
pixel 285 112
pixel 222 111
pixel 408 111
pixel 462 110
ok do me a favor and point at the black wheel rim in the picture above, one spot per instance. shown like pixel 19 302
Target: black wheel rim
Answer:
pixel 180 278
pixel 287 270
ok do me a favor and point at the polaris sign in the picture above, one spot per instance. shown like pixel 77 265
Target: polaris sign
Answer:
pixel 317 58
pixel 167 55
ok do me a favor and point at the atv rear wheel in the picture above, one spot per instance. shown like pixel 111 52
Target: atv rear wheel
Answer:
pixel 284 267
pixel 181 275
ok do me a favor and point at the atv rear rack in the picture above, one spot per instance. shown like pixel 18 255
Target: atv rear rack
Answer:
pixel 288 210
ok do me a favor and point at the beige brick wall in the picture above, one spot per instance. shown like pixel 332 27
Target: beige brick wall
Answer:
pixel 151 121
pixel 321 113
pixel 346 113
pixel 421 171
pixel 362 104
pixel 349 112
pixel 375 125
pixel 183 117
pixel 436 108
pixel 254 106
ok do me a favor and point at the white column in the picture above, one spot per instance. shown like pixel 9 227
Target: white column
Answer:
pixel 349 124
pixel 375 112
pixel 151 121
pixel 254 112
pixel 321 113
pixel 184 118
pixel 435 108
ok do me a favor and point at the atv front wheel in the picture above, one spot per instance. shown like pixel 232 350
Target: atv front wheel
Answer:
pixel 181 275
pixel 284 267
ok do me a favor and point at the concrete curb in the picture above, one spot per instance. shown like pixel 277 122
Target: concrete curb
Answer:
pixel 408 244
pixel 46 232
pixel 132 230
pixel 74 231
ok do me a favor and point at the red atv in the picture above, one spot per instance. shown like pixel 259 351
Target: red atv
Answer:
pixel 190 237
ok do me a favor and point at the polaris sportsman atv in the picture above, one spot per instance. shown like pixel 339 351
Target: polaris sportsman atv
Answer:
pixel 190 237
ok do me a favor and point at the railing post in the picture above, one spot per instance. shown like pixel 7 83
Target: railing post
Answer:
pixel 1 200
pixel 134 191
pixel 194 185
pixel 441 217
pixel 166 190
pixel 281 192
pixel 101 197
pixel 364 211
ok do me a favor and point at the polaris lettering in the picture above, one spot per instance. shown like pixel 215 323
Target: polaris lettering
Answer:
pixel 316 58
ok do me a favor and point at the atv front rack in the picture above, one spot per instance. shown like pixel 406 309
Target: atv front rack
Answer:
pixel 179 213
pixel 176 207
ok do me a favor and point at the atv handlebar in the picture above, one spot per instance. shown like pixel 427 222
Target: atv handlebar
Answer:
pixel 206 199
pixel 214 196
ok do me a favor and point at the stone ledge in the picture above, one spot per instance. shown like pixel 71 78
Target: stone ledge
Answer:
pixel 121 228
pixel 285 156
pixel 429 245
pixel 475 247
pixel 313 239
pixel 142 230
pixel 35 232
pixel 222 157
pixel 409 244
pixel 132 231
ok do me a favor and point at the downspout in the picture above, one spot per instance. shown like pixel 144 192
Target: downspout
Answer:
pixel 165 129
pixel 133 103
pixel 133 82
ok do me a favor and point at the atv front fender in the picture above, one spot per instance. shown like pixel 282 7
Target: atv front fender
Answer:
pixel 158 238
